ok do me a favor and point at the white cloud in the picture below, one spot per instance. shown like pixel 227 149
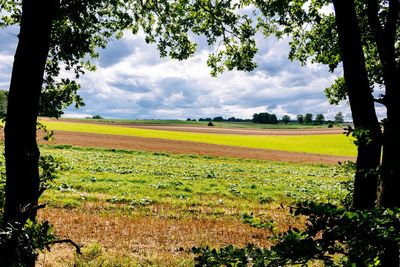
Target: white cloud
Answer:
pixel 132 81
pixel 76 115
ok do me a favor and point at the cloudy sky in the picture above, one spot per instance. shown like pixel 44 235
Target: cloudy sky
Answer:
pixel 133 82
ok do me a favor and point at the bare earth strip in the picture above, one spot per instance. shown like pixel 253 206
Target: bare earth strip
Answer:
pixel 185 147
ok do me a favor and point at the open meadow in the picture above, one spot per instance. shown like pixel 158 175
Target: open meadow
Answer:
pixel 131 207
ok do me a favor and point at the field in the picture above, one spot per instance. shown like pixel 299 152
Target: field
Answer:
pixel 328 144
pixel 131 207
pixel 222 124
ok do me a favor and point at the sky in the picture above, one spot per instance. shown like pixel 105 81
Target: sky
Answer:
pixel 133 82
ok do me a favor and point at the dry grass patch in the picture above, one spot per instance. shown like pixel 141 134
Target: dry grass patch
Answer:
pixel 146 240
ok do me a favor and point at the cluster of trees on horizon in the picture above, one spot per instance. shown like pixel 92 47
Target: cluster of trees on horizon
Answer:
pixel 267 118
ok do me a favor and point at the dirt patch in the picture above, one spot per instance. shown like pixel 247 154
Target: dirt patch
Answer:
pixel 185 147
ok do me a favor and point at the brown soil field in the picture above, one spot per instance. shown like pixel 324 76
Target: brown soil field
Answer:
pixel 185 147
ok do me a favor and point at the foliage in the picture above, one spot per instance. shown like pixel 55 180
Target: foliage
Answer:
pixel 97 117
pixel 79 28
pixel 300 119
pixel 265 117
pixel 336 92
pixel 219 118
pixel 20 243
pixel 49 167
pixel 339 118
pixel 3 103
pixel 319 119
pixel 359 237
pixel 231 256
pixel 308 118
pixel 171 24
pixel 257 222
pixel 286 119
pixel 58 96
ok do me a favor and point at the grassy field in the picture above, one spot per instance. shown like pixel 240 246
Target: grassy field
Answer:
pixel 177 201
pixel 333 144
pixel 118 176
pixel 135 208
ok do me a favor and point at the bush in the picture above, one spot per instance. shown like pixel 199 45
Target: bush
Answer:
pixel 19 244
pixel 334 235
pixel 21 241
pixel 97 117
pixel 210 123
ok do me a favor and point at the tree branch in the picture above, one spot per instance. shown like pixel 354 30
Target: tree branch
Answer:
pixel 380 100
pixel 391 22
pixel 69 241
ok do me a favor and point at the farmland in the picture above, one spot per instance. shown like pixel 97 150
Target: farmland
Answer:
pixel 148 208
pixel 332 144
pixel 178 201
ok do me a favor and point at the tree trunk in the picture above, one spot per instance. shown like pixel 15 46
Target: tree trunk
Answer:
pixel 361 103
pixel 21 151
pixel 389 194
pixel 385 38
pixel 389 188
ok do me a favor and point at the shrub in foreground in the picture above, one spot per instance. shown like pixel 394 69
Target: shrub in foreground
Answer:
pixel 333 235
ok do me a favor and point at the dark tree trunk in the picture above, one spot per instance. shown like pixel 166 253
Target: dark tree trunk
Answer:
pixel 21 151
pixel 385 37
pixel 389 193
pixel 361 103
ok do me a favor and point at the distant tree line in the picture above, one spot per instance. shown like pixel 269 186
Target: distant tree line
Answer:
pixel 219 118
pixel 307 119
pixel 267 118
pixel 264 117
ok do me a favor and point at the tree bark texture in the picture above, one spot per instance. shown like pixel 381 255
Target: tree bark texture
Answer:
pixel 385 37
pixel 361 104
pixel 389 188
pixel 21 150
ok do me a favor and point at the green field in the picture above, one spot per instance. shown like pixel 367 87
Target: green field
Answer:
pixel 112 185
pixel 118 176
pixel 108 191
pixel 332 144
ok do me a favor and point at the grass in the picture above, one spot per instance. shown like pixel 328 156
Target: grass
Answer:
pixel 333 144
pixel 132 208
pixel 139 179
